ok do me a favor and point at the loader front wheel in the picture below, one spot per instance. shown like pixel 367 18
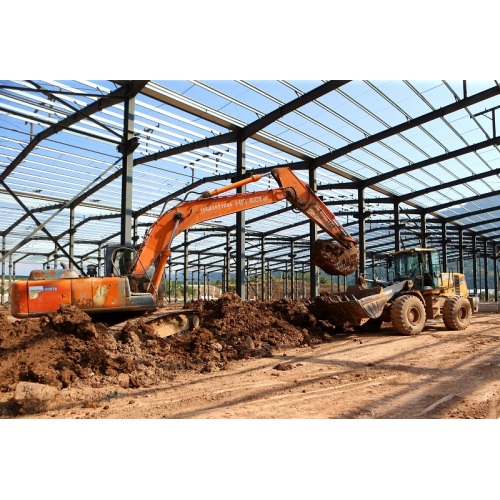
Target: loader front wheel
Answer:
pixel 408 315
pixel 457 313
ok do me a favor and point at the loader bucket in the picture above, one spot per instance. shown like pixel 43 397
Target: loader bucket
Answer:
pixel 334 258
pixel 355 305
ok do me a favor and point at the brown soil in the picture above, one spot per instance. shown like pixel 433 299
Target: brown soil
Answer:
pixel 249 360
pixel 333 258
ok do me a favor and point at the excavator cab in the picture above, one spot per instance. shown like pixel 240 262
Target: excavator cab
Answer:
pixel 119 262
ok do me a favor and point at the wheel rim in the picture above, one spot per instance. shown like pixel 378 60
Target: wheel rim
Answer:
pixel 414 316
pixel 462 314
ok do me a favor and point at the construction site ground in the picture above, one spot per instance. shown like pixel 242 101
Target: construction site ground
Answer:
pixel 264 400
pixel 249 360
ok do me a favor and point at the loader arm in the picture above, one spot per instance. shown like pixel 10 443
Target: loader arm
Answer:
pixel 158 239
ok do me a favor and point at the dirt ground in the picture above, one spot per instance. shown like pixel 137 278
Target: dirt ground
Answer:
pixel 249 360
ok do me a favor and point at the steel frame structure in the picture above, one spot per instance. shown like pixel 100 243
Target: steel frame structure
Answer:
pixel 105 152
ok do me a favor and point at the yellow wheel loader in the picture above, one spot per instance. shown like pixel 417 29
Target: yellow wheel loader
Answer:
pixel 417 291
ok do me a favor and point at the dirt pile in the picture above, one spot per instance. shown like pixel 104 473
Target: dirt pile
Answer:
pixel 66 348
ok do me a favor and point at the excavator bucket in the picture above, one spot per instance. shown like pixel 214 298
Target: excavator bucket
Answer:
pixel 333 258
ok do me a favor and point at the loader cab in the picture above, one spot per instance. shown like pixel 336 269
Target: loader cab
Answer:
pixel 421 265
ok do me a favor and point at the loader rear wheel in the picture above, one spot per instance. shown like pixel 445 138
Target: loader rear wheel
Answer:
pixel 408 315
pixel 457 313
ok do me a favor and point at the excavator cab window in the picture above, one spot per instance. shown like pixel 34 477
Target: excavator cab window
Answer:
pixel 121 261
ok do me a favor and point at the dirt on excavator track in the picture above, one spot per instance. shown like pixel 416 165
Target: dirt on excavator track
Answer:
pixel 249 359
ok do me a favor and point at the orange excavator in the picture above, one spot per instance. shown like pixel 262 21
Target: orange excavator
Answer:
pixel 134 286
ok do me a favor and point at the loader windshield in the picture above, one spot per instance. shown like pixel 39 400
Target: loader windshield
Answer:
pixel 422 267
pixel 406 266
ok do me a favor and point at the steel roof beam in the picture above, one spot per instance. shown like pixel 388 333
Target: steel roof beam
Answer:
pixel 430 161
pixel 114 97
pixel 311 162
pixel 249 130
pixel 444 185
pixel 40 119
pixel 26 215
pixel 27 210
pixel 414 122
pixel 465 215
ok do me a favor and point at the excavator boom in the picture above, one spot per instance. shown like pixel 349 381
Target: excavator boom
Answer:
pixel 157 242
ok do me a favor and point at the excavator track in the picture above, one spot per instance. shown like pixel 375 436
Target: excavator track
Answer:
pixel 166 322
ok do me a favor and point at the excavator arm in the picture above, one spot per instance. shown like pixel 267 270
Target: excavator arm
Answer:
pixel 158 239
pixel 46 291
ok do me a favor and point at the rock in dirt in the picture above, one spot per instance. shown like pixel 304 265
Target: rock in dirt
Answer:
pixel 30 397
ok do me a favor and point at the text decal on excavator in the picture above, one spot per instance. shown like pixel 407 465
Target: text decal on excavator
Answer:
pixel 35 290
pixel 219 206
pixel 251 201
pixel 238 203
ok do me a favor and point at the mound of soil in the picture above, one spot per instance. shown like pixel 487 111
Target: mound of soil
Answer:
pixel 66 348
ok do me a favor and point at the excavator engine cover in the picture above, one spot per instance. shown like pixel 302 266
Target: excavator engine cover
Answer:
pixel 333 258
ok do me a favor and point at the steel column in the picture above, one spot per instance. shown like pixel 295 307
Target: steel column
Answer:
pixel 240 222
pixel 444 247
pixel 71 236
pixel 313 236
pixel 3 271
pixel 397 228
pixel 227 276
pixel 199 271
pixel 269 282
pixel 186 264
pixel 99 262
pixel 474 265
pixel 170 279
pixel 485 266
pixel 361 231
pixel 263 266
pixel 127 171
pixel 423 231
pixel 460 251
pixel 495 275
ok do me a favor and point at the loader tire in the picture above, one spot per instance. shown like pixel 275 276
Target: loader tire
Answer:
pixel 457 313
pixel 408 315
